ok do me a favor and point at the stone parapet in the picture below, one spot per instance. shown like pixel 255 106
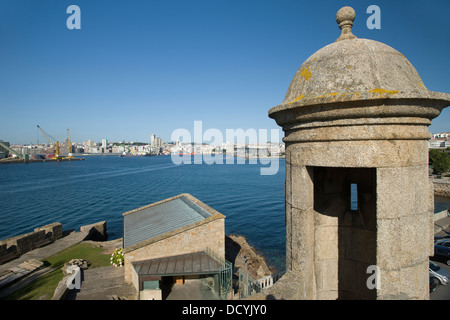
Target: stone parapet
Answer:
pixel 14 247
pixel 96 231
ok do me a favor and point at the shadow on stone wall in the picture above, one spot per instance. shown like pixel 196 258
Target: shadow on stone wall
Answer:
pixel 14 247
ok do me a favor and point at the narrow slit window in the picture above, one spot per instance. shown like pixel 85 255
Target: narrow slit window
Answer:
pixel 353 197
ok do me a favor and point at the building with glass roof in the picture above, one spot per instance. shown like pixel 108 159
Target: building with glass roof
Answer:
pixel 173 241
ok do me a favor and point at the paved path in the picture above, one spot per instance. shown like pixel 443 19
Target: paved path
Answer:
pixel 97 284
pixel 28 267
pixel 442 224
pixel 103 283
pixel 46 251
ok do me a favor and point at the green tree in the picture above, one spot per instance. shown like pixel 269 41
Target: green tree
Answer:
pixel 440 160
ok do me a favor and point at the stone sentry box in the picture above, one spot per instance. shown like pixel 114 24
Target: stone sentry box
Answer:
pixel 356 118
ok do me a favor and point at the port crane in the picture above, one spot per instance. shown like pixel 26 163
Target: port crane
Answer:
pixel 69 145
pixel 56 144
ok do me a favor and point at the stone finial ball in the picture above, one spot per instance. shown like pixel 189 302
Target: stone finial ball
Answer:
pixel 345 14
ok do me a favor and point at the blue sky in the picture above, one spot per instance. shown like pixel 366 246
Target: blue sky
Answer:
pixel 139 67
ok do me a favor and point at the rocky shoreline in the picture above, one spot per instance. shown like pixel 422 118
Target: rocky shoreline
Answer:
pixel 442 187
pixel 239 252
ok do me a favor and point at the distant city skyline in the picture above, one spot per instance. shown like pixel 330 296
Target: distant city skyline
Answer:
pixel 138 68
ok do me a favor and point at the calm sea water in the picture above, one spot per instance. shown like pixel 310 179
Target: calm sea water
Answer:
pixel 103 187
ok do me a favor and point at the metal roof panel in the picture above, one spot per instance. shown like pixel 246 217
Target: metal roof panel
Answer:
pixel 191 263
pixel 156 220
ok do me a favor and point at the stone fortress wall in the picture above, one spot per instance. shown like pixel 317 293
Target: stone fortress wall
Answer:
pixel 14 247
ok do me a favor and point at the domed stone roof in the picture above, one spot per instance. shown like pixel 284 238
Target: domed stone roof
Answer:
pixel 353 69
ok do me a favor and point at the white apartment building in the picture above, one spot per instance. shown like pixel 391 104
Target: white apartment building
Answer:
pixel 441 135
pixel 440 140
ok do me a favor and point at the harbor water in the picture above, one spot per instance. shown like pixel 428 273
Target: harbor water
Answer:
pixel 77 193
pixel 104 187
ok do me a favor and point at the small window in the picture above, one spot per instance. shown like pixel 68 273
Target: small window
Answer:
pixel 150 285
pixel 354 197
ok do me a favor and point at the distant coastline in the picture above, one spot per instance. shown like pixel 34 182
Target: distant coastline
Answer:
pixel 137 155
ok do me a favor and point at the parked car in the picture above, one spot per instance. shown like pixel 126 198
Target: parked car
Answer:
pixel 440 274
pixel 442 253
pixel 444 237
pixel 443 242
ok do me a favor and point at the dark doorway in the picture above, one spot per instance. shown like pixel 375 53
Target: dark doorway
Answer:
pixel 349 195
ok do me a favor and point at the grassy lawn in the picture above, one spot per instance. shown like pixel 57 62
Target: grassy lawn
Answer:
pixel 44 286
